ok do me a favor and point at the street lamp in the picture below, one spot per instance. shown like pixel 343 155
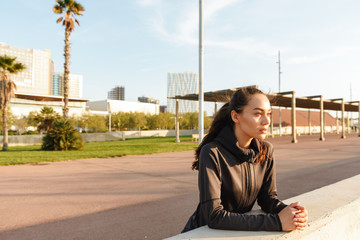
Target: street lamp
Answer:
pixel 201 66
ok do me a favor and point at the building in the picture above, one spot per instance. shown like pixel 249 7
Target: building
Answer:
pixel 148 100
pixel 117 93
pixel 302 121
pixel 38 85
pixel 179 84
pixel 114 106
pixel 75 85
pixel 36 78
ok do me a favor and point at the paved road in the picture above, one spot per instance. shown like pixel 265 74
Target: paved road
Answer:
pixel 145 197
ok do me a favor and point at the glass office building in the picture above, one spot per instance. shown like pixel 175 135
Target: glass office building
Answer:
pixel 75 85
pixel 182 83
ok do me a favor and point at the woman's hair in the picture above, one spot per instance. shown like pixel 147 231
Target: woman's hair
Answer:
pixel 223 118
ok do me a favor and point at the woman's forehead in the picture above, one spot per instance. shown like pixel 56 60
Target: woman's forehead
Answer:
pixel 259 101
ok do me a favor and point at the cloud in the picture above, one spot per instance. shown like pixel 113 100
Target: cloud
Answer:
pixel 182 28
pixel 145 3
pixel 334 53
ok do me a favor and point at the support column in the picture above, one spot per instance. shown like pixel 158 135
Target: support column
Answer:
pixel 322 138
pixel 293 118
pixel 348 123
pixel 177 125
pixel 309 116
pixel 271 124
pixel 215 108
pixel 337 123
pixel 359 119
pixel 343 118
pixel 280 122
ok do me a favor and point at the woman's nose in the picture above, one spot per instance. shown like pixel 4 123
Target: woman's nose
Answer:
pixel 266 120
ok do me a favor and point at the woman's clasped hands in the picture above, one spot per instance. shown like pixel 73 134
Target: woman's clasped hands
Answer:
pixel 292 217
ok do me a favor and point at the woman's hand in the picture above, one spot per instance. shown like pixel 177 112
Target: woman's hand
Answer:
pixel 301 218
pixel 293 217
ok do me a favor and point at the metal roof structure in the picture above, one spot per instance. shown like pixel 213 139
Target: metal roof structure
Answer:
pixel 47 98
pixel 282 99
pixel 276 99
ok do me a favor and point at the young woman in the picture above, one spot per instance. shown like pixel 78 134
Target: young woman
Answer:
pixel 236 168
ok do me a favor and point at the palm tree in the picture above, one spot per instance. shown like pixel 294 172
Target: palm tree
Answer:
pixel 7 88
pixel 70 8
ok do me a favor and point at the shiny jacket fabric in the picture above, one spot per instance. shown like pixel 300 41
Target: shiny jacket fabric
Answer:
pixel 229 184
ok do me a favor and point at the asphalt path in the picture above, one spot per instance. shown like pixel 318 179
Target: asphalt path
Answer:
pixel 148 196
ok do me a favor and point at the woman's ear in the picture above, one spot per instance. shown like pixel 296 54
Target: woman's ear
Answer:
pixel 234 116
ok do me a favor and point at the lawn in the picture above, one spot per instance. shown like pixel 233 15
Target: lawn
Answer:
pixel 33 154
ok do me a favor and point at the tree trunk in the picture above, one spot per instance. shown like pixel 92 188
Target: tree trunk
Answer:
pixel 5 130
pixel 66 73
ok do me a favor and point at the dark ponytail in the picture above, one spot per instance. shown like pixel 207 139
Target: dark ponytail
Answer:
pixel 223 118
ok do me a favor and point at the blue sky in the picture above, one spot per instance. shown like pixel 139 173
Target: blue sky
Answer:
pixel 135 43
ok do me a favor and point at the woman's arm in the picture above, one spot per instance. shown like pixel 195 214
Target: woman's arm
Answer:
pixel 292 216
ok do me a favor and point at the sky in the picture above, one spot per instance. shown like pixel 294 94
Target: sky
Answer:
pixel 135 43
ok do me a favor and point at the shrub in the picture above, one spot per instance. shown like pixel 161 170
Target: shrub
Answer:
pixel 62 136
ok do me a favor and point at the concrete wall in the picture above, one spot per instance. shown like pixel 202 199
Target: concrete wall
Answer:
pixel 20 140
pixel 123 106
pixel 334 213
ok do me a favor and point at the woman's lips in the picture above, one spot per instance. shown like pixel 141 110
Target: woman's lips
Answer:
pixel 263 130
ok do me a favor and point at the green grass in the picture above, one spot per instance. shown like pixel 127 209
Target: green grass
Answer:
pixel 33 154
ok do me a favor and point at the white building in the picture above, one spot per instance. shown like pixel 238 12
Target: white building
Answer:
pixel 23 104
pixel 36 78
pixel 38 85
pixel 114 106
pixel 179 84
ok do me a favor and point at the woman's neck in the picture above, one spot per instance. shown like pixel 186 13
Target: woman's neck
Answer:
pixel 242 139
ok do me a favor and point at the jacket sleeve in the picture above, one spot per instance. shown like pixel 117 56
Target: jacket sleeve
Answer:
pixel 267 197
pixel 211 209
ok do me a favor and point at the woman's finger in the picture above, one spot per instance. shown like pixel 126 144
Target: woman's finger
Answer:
pixel 300 220
pixel 300 225
pixel 301 215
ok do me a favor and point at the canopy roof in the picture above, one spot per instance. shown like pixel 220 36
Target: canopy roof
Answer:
pixel 47 98
pixel 276 99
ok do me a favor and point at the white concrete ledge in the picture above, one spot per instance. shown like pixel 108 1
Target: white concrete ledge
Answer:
pixel 334 213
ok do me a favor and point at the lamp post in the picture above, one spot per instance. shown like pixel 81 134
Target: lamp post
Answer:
pixel 279 92
pixel 201 66
pixel 109 111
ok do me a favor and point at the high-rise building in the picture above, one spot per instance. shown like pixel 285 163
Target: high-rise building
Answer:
pixel 36 78
pixel 182 83
pixel 38 85
pixel 148 100
pixel 75 85
pixel 117 93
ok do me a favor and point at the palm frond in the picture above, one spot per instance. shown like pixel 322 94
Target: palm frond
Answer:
pixel 59 19
pixel 58 9
pixel 61 3
pixel 77 21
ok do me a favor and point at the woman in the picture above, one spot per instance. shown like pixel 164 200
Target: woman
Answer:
pixel 236 168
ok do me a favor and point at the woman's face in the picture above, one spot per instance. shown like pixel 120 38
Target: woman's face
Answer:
pixel 254 120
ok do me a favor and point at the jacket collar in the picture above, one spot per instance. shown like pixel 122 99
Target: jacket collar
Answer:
pixel 228 140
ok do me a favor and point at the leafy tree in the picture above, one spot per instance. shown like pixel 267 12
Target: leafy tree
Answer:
pixel 62 136
pixel 190 120
pixel 44 119
pixel 10 119
pixel 7 88
pixel 70 8
pixel 21 123
pixel 137 120
pixel 93 122
pixel 120 121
